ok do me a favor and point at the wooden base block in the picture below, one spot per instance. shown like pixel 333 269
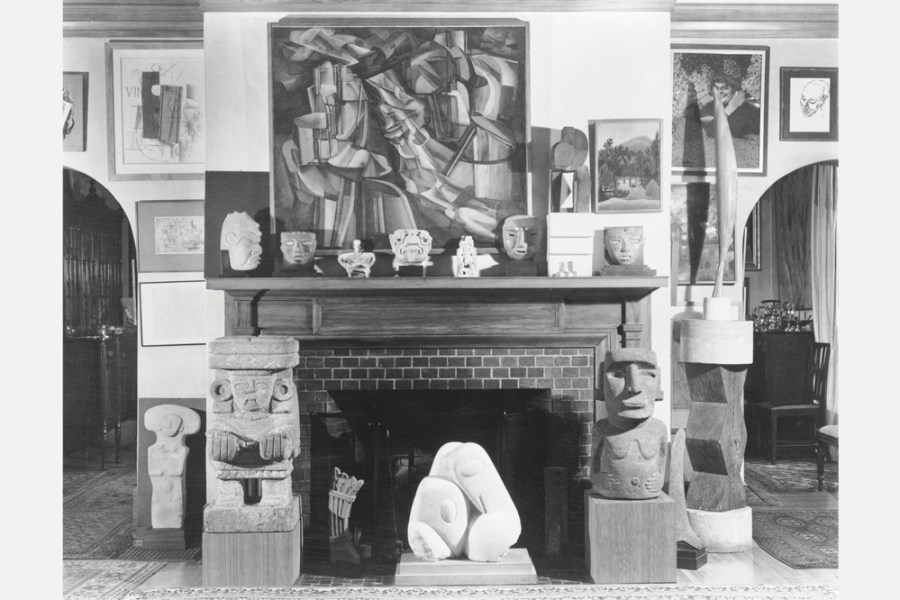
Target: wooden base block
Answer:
pixel 515 568
pixel 690 557
pixel 269 559
pixel 162 539
pixel 630 541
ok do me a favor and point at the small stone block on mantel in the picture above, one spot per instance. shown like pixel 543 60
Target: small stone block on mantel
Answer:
pixel 515 568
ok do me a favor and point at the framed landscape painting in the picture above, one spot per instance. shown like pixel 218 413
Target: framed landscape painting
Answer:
pixel 625 157
pixel 809 104
pixel 738 75
pixel 170 235
pixel 695 236
pixel 155 110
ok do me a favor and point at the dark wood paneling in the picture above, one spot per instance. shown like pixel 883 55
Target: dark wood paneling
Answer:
pixel 287 314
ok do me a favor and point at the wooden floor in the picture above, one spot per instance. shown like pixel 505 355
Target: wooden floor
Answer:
pixel 754 567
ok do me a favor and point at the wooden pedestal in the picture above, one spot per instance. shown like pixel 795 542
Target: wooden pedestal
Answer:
pixel 270 559
pixel 630 541
pixel 515 568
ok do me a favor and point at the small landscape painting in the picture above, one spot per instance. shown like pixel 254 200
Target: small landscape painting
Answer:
pixel 625 157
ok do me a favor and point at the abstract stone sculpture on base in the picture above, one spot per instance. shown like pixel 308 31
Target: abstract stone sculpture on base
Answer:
pixel 462 508
pixel 166 462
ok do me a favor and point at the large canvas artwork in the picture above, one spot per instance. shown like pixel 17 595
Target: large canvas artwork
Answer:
pixel 379 126
pixel 695 235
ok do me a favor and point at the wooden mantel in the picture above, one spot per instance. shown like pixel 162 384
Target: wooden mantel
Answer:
pixel 527 311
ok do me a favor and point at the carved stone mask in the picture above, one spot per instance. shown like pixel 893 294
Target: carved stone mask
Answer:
pixel 298 247
pixel 631 383
pixel 252 392
pixel 411 246
pixel 522 237
pixel 241 237
pixel 624 245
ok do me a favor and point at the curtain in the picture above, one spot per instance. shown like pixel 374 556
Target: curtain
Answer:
pixel 823 254
pixel 791 210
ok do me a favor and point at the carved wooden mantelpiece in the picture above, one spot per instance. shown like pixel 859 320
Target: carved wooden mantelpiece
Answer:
pixel 441 312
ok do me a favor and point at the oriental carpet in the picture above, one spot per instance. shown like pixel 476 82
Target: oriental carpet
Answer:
pixel 800 538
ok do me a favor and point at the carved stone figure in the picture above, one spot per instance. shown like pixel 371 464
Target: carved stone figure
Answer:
pixel 624 251
pixel 253 434
pixel 298 248
pixel 357 263
pixel 411 248
pixel 466 255
pixel 629 446
pixel 462 508
pixel 166 459
pixel 523 237
pixel 241 238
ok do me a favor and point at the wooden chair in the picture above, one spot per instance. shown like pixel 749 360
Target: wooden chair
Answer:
pixel 811 406
pixel 826 436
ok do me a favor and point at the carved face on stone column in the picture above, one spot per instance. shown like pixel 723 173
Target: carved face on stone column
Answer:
pixel 241 237
pixel 631 383
pixel 624 245
pixel 170 425
pixel 252 393
pixel 522 236
pixel 298 247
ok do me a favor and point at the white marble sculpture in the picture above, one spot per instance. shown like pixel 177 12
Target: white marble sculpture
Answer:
pixel 241 237
pixel 357 263
pixel 166 462
pixel 462 508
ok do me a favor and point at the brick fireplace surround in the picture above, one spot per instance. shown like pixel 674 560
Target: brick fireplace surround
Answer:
pixel 449 334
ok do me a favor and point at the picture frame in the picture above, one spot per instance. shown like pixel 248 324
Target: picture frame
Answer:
pixel 355 178
pixel 75 113
pixel 155 109
pixel 752 260
pixel 172 313
pixel 695 249
pixel 741 77
pixel 809 104
pixel 625 165
pixel 170 235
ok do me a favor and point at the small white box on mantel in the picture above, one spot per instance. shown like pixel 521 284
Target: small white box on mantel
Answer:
pixel 570 244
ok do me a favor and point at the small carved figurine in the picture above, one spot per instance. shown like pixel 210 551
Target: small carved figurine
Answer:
pixel 241 238
pixel 357 263
pixel 166 460
pixel 298 248
pixel 411 248
pixel 466 255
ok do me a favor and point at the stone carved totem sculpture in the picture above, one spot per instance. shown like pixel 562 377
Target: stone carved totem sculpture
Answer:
pixel 629 446
pixel 462 508
pixel 166 460
pixel 253 434
pixel 523 237
pixel 241 237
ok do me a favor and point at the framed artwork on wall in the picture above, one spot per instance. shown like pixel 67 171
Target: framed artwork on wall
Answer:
pixel 173 313
pixel 739 76
pixel 386 124
pixel 170 235
pixel 809 104
pixel 75 100
pixel 155 109
pixel 625 164
pixel 752 260
pixel 695 238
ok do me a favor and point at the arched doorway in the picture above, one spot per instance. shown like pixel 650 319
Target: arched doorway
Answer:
pixel 100 341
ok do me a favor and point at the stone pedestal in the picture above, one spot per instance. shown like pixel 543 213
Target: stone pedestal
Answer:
pixel 630 541
pixel 515 568
pixel 728 531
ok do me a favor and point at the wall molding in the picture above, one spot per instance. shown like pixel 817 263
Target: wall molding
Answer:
pixel 696 20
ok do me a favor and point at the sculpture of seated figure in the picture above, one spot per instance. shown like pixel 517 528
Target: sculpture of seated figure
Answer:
pixel 166 460
pixel 357 263
pixel 629 446
pixel 241 238
pixel 462 508
pixel 298 248
pixel 522 239
pixel 624 251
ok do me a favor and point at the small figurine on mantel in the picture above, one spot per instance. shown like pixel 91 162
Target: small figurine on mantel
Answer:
pixel 357 263
pixel 241 237
pixel 466 257
pixel 411 248
pixel 522 239
pixel 298 249
pixel 624 251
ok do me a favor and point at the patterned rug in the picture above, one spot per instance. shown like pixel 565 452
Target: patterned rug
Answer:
pixel 97 514
pixel 800 538
pixel 512 592
pixel 788 475
pixel 104 579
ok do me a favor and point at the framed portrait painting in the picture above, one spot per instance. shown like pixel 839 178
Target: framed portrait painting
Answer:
pixel 155 110
pixel 809 104
pixel 170 235
pixel 695 236
pixel 738 75
pixel 625 157
pixel 75 99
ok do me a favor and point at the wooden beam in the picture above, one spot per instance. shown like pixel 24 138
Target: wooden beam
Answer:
pixel 144 29
pixel 695 20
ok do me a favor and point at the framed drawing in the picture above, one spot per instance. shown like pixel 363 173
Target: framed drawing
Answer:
pixel 155 110
pixel 386 124
pixel 170 235
pixel 809 104
pixel 695 238
pixel 75 99
pixel 625 156
pixel 751 234
pixel 739 76
pixel 173 313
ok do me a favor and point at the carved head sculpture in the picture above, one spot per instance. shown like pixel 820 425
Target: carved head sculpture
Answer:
pixel 631 384
pixel 411 246
pixel 241 237
pixel 522 236
pixel 624 245
pixel 168 420
pixel 814 96
pixel 252 392
pixel 298 247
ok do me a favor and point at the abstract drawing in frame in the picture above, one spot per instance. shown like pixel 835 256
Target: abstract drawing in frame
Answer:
pixel 809 104
pixel 155 110
pixel 739 75
pixel 170 235
pixel 173 313
pixel 379 125
pixel 625 164
pixel 695 235
pixel 75 99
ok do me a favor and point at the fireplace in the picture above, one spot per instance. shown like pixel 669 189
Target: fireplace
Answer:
pixel 378 356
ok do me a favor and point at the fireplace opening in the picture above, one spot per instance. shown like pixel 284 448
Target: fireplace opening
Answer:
pixel 389 440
